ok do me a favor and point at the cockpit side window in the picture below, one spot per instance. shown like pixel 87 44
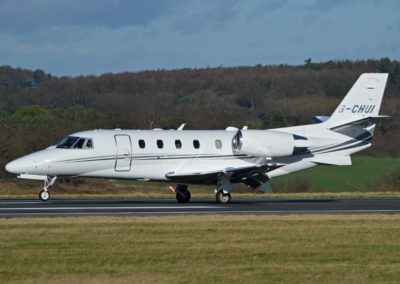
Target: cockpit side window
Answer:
pixel 89 143
pixel 73 142
pixel 79 143
pixel 67 142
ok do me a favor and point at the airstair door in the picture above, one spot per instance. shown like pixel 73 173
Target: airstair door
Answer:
pixel 124 153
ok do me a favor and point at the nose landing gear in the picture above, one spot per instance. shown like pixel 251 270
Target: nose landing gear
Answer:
pixel 44 195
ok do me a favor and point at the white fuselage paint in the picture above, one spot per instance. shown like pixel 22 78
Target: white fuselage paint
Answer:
pixel 116 154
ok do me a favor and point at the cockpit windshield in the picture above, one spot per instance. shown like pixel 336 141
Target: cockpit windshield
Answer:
pixel 73 142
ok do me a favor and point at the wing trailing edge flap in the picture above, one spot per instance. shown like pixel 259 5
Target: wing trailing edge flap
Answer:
pixel 235 174
pixel 256 180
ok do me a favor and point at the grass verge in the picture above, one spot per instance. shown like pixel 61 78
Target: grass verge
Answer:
pixel 201 249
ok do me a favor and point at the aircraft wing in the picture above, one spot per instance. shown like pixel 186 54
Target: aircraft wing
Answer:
pixel 253 175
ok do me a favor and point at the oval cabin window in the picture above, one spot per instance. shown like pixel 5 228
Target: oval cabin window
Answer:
pixel 218 144
pixel 196 144
pixel 178 144
pixel 142 144
pixel 160 144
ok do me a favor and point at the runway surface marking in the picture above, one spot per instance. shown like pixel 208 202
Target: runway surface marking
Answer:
pixel 162 207
pixel 108 208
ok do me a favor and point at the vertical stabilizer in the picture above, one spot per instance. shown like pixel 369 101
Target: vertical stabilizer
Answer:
pixel 362 101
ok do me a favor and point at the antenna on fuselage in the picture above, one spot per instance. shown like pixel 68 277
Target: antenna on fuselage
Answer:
pixel 181 127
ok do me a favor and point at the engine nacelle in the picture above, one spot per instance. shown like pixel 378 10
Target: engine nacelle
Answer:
pixel 265 143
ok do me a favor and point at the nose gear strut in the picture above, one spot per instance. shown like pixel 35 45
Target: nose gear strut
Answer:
pixel 44 195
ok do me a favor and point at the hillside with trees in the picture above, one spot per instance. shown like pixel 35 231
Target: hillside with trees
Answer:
pixel 38 109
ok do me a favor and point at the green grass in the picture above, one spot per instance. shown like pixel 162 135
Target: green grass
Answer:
pixel 201 249
pixel 358 177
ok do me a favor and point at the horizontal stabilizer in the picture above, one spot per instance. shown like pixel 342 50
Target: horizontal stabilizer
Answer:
pixel 372 119
pixel 320 118
pixel 337 161
pixel 291 168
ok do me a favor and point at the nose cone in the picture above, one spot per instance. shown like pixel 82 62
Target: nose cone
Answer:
pixel 14 167
pixel 36 163
pixel 26 164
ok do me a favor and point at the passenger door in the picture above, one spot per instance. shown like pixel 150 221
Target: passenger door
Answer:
pixel 124 153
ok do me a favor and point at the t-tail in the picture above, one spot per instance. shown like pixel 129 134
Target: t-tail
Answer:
pixel 362 102
pixel 348 130
pixel 355 117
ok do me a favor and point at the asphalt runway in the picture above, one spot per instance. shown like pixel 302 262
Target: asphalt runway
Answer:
pixel 147 207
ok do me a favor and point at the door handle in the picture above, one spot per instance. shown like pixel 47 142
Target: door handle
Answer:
pixel 126 153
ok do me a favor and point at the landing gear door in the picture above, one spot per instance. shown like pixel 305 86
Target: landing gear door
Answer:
pixel 123 158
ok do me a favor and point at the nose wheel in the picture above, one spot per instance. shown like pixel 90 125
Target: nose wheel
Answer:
pixel 44 195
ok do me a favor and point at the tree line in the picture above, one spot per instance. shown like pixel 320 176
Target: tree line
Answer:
pixel 38 109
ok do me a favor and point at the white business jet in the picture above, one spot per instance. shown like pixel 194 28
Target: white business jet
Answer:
pixel 216 157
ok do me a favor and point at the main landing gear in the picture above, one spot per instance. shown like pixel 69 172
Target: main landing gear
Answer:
pixel 44 195
pixel 222 192
pixel 182 193
pixel 222 197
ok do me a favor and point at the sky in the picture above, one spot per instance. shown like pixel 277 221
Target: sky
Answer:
pixel 83 37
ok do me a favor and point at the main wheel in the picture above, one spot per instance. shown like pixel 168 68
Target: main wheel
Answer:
pixel 44 195
pixel 223 198
pixel 183 196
